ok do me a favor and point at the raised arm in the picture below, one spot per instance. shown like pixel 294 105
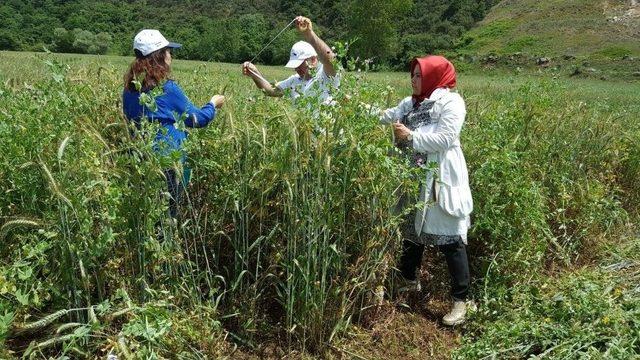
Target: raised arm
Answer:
pixel 325 54
pixel 252 71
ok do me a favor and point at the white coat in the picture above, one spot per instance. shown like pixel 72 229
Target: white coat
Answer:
pixel 447 214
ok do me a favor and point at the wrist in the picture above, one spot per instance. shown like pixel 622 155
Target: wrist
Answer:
pixel 410 136
pixel 308 35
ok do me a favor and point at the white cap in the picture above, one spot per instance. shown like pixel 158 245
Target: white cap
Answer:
pixel 300 52
pixel 148 41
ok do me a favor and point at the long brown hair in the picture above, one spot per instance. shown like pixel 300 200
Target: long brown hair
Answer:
pixel 150 70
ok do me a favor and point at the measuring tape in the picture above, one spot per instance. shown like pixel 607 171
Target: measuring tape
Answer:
pixel 272 40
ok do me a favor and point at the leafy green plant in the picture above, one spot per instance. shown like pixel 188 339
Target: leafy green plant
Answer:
pixel 587 314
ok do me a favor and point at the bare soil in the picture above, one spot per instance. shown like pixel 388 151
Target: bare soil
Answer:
pixel 406 327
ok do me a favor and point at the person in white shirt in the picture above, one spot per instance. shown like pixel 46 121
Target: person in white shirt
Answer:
pixel 427 129
pixel 312 60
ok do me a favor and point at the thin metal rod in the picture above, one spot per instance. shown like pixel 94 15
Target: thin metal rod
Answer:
pixel 272 40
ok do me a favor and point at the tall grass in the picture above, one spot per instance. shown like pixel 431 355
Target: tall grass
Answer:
pixel 306 206
pixel 287 226
pixel 285 229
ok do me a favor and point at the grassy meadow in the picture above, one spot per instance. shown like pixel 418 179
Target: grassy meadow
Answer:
pixel 288 228
pixel 587 28
pixel 593 39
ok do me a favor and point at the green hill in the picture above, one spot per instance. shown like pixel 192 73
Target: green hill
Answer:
pixel 388 31
pixel 596 29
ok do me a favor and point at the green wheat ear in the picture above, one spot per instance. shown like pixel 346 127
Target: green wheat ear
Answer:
pixel 53 185
pixel 62 147
pixel 45 320
pixel 11 224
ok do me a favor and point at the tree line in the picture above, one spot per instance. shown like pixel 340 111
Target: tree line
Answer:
pixel 389 32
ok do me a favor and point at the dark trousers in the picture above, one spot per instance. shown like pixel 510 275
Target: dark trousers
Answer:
pixel 175 190
pixel 457 262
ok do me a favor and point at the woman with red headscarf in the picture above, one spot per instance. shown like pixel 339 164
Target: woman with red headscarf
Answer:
pixel 427 129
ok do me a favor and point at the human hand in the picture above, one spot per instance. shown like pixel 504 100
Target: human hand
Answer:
pixel 401 132
pixel 303 24
pixel 248 68
pixel 218 101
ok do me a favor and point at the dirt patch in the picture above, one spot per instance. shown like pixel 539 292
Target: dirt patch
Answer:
pixel 627 15
pixel 406 327
pixel 398 334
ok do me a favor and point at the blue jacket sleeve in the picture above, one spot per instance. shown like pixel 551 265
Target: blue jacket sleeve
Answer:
pixel 195 117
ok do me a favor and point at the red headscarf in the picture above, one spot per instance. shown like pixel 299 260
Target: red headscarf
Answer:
pixel 437 72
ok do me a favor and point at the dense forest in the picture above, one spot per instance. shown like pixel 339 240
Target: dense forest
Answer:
pixel 387 31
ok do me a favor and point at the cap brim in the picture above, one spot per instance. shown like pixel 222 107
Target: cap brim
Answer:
pixel 173 45
pixel 294 63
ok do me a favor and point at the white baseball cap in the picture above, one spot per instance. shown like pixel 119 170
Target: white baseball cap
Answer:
pixel 148 41
pixel 300 52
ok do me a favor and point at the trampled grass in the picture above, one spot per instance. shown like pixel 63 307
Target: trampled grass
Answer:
pixel 288 226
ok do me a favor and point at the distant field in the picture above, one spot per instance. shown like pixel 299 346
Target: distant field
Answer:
pixel 18 67
pixel 289 224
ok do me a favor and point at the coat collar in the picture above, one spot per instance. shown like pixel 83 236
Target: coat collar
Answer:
pixel 438 93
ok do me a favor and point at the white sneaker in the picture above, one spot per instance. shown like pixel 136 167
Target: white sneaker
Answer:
pixel 409 286
pixel 458 313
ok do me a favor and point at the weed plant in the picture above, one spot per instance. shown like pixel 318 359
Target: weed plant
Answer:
pixel 591 313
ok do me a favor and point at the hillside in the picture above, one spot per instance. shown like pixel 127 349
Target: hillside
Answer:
pixel 389 32
pixel 558 27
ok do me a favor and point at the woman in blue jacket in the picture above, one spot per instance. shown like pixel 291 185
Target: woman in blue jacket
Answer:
pixel 149 74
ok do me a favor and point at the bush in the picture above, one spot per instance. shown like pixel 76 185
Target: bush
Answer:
pixel 8 40
pixel 80 41
pixel 62 40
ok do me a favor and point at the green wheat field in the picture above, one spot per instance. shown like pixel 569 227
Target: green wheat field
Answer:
pixel 288 227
